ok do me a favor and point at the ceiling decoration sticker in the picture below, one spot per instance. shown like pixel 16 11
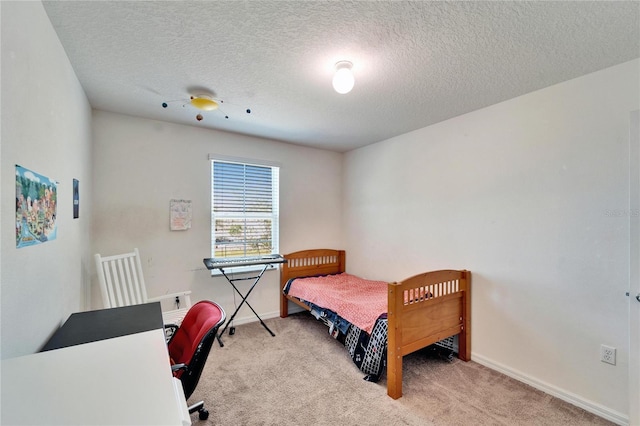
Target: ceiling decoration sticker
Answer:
pixel 204 103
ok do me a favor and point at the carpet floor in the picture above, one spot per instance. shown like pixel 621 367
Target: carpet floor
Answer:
pixel 302 376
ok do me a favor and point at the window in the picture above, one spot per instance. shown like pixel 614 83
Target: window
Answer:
pixel 244 209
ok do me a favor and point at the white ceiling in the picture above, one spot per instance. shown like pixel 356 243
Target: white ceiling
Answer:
pixel 415 63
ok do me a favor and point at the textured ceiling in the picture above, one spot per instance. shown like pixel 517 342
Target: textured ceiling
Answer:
pixel 415 63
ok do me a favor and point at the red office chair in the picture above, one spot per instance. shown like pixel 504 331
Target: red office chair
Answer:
pixel 190 345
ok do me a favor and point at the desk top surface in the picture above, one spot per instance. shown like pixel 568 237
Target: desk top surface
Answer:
pixel 124 380
pixel 92 326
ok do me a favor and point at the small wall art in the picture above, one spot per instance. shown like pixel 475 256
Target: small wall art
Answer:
pixel 76 199
pixel 180 215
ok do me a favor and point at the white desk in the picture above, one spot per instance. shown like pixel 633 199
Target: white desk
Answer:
pixel 122 380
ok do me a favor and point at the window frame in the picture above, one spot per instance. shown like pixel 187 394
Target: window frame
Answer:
pixel 274 216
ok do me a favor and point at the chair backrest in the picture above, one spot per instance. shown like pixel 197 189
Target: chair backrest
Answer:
pixel 121 279
pixel 192 342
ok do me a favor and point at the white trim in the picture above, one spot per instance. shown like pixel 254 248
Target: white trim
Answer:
pixel 634 267
pixel 590 406
pixel 252 318
pixel 242 160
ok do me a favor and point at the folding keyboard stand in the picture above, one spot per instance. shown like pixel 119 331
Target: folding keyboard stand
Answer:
pixel 244 299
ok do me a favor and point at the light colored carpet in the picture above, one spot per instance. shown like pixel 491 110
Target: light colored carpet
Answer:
pixel 302 376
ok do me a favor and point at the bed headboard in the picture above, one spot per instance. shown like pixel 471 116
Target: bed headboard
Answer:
pixel 308 263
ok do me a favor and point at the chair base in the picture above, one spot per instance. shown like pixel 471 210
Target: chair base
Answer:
pixel 199 407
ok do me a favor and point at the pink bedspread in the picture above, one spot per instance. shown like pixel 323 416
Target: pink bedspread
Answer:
pixel 355 299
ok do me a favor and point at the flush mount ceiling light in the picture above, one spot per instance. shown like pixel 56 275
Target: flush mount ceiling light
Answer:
pixel 203 103
pixel 343 78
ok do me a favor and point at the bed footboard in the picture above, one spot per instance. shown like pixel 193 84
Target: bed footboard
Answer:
pixel 423 310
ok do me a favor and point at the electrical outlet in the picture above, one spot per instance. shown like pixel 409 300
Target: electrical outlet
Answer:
pixel 608 354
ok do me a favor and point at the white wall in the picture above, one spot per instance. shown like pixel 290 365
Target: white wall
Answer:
pixel 523 194
pixel 140 165
pixel 46 128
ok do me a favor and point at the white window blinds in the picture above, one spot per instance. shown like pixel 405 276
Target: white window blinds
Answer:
pixel 244 209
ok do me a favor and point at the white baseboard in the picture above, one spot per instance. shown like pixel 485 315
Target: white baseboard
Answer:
pixel 590 406
pixel 268 315
pixel 252 318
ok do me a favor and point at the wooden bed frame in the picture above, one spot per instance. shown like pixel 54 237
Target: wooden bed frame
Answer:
pixel 423 309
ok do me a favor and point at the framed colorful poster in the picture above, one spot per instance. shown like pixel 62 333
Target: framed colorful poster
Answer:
pixel 36 208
